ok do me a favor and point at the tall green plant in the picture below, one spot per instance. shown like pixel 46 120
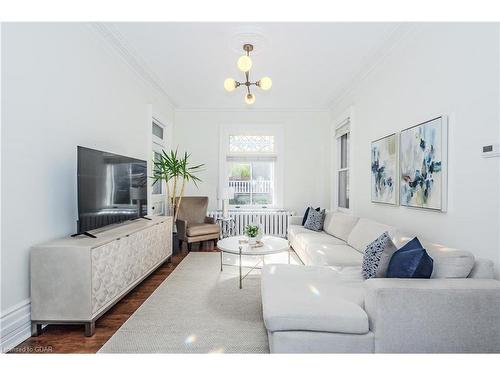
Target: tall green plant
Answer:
pixel 176 171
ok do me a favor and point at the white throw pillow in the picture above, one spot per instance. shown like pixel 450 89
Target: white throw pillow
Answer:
pixel 449 262
pixel 339 224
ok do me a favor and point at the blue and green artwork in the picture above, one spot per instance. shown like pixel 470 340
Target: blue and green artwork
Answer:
pixel 421 165
pixel 384 170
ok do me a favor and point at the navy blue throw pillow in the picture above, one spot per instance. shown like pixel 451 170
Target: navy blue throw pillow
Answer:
pixel 307 213
pixel 411 261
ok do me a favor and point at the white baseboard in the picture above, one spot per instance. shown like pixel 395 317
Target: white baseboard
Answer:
pixel 15 325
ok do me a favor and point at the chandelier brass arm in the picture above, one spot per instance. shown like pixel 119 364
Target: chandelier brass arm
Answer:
pixel 245 64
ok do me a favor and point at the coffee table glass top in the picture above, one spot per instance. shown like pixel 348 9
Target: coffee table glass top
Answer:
pixel 272 245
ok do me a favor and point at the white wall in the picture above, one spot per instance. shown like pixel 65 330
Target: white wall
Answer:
pixel 450 69
pixel 63 85
pixel 306 180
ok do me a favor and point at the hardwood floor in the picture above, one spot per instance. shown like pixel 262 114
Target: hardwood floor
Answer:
pixel 71 339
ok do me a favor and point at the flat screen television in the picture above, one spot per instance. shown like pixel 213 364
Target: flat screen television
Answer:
pixel 111 189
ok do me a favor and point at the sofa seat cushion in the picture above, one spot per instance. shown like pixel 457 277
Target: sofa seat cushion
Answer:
pixel 303 236
pixel 365 232
pixel 294 230
pixel 331 254
pixel 306 238
pixel 195 230
pixel 339 224
pixel 303 298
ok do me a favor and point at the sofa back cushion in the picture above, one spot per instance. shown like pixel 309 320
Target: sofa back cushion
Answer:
pixel 339 224
pixel 365 232
pixel 448 262
pixel 483 269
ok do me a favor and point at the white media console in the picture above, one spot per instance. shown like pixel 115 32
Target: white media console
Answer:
pixel 76 280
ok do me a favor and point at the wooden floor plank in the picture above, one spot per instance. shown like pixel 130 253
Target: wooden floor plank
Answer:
pixel 71 339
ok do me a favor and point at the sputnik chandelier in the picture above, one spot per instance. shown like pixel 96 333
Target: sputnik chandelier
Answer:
pixel 245 64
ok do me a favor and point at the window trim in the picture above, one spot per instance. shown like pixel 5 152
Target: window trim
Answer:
pixel 154 138
pixel 276 130
pixel 341 121
pixel 157 145
pixel 156 148
pixel 339 168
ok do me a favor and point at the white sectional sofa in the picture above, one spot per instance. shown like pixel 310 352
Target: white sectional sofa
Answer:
pixel 325 306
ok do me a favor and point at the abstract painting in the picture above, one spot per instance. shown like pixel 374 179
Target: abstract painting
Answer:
pixel 384 170
pixel 422 154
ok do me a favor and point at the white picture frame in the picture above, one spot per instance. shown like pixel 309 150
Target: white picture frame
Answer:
pixel 421 148
pixel 384 170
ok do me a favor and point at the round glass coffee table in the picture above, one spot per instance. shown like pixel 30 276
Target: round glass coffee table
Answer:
pixel 239 245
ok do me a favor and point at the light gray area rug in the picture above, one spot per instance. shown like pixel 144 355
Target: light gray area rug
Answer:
pixel 197 309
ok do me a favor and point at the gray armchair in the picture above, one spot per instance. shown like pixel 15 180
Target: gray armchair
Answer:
pixel 193 225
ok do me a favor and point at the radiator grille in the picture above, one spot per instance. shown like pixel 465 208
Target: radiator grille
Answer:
pixel 274 223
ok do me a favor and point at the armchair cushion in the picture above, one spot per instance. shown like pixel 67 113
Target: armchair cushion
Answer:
pixel 195 230
pixel 192 209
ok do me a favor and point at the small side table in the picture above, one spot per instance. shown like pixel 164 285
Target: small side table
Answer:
pixel 227 226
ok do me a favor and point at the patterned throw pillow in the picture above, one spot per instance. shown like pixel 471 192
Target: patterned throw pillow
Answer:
pixel 377 257
pixel 307 213
pixel 315 220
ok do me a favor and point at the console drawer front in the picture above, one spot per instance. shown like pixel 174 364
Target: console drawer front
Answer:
pixel 119 264
pixel 112 271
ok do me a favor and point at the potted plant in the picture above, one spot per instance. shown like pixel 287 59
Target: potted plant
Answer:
pixel 252 231
pixel 176 171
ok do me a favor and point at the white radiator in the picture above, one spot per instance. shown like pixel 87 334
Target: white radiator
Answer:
pixel 274 222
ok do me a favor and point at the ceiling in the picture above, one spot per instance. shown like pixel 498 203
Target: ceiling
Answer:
pixel 310 63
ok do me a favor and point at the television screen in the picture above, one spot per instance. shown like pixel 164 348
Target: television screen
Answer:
pixel 111 188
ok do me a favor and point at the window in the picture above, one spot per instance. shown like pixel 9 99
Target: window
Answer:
pixel 158 145
pixel 157 131
pixel 157 186
pixel 343 135
pixel 250 165
pixel 251 143
pixel 252 181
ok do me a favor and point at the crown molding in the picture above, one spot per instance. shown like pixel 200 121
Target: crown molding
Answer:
pixel 252 110
pixel 395 39
pixel 113 37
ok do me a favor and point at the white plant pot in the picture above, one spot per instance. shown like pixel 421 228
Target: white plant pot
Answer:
pixel 252 240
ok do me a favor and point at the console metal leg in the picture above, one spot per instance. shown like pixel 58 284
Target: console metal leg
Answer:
pixel 89 329
pixel 36 329
pixel 221 256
